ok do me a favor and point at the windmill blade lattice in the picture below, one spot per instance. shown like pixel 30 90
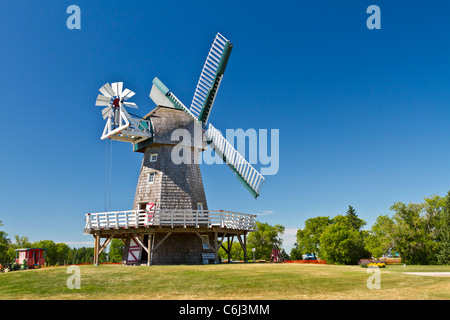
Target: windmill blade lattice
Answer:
pixel 210 78
pixel 245 172
pixel 203 100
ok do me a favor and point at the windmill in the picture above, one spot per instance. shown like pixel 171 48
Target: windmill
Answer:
pixel 114 98
pixel 174 191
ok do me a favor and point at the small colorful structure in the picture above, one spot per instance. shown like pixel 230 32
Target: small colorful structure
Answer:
pixel 34 257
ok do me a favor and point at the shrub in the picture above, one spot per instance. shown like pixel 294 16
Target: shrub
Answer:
pixel 367 263
pixel 376 265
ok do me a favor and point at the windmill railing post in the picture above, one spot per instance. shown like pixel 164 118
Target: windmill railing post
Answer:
pixel 170 218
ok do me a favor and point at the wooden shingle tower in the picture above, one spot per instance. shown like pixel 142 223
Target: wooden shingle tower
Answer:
pixel 170 222
pixel 164 181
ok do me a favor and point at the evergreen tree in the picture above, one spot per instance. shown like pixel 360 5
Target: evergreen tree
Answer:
pixel 353 219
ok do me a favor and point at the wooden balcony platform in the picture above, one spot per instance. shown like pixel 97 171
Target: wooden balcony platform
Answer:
pixel 177 220
pixel 148 230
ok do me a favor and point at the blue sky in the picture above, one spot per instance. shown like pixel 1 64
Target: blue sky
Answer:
pixel 363 114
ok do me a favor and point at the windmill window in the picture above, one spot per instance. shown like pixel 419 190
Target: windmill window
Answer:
pixel 151 177
pixel 153 157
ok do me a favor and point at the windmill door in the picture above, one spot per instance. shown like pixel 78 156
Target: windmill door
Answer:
pixel 134 251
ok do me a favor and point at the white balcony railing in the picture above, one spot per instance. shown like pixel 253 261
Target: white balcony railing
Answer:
pixel 170 218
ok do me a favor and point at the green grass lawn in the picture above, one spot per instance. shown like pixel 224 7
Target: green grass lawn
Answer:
pixel 226 281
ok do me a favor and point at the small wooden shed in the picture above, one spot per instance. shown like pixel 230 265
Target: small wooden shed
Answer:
pixel 35 257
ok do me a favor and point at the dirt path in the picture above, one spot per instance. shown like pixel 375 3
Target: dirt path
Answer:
pixel 433 274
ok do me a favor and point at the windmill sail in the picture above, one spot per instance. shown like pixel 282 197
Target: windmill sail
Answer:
pixel 210 78
pixel 203 100
pixel 158 94
pixel 161 95
pixel 245 173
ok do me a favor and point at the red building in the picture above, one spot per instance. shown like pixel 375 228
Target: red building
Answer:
pixel 35 257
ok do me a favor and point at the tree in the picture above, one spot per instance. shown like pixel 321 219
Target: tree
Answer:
pixel 115 250
pixel 380 238
pixel 264 239
pixel 236 251
pixel 72 256
pixel 415 232
pixel 51 255
pixel 341 243
pixel 22 242
pixel 4 245
pixel 354 221
pixel 296 253
pixel 308 238
pixel 62 253
pixel 444 253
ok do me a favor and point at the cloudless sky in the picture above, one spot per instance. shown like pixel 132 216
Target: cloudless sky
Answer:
pixel 363 115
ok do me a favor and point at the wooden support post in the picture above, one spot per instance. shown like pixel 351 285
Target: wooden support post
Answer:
pixel 96 249
pixel 230 244
pixel 245 246
pixel 153 248
pixel 125 249
pixel 149 249
pixel 216 248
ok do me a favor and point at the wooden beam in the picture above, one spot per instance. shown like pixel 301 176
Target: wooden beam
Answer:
pixel 225 249
pixel 138 240
pixel 209 245
pixel 103 246
pixel 220 243
pixel 230 244
pixel 216 249
pixel 162 240
pixel 149 248
pixel 125 249
pixel 96 249
pixel 157 229
pixel 153 248
pixel 243 246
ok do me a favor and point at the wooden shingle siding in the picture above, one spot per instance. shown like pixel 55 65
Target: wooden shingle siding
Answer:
pixel 175 186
